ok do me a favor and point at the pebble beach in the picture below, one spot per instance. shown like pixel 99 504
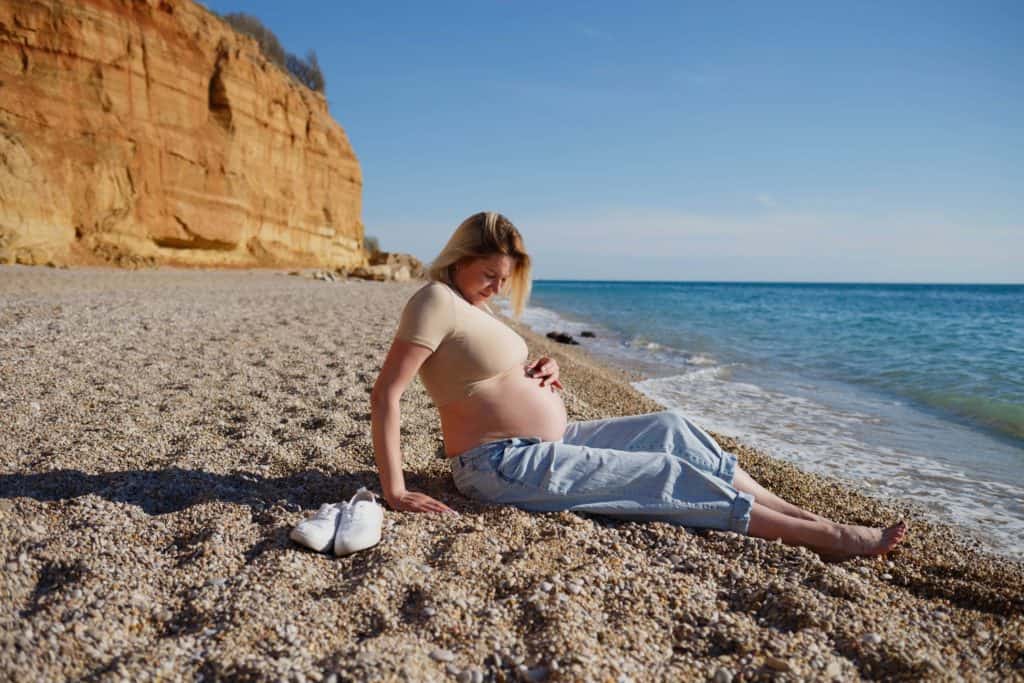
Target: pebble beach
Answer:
pixel 161 432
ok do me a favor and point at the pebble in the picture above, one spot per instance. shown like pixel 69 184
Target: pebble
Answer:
pixel 546 586
pixel 442 655
pixel 871 639
pixel 777 664
pixel 722 675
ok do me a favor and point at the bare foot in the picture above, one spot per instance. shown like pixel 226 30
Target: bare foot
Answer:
pixel 862 541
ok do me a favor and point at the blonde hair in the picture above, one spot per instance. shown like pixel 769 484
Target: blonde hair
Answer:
pixel 481 235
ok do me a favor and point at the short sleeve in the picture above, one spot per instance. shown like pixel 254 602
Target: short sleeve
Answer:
pixel 428 318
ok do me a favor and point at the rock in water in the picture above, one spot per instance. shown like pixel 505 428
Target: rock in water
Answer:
pixel 562 338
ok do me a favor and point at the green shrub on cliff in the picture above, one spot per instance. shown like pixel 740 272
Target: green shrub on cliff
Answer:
pixel 270 46
pixel 306 71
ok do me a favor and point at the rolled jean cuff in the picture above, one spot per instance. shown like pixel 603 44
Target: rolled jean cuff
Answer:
pixel 739 520
pixel 727 469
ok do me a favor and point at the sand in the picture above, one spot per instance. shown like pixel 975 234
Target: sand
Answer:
pixel 161 431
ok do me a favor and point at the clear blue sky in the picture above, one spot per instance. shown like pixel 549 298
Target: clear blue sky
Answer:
pixel 858 141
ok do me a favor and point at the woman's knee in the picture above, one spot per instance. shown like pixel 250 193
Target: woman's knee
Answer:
pixel 671 420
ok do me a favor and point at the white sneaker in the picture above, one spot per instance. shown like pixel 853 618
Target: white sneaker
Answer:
pixel 317 532
pixel 360 523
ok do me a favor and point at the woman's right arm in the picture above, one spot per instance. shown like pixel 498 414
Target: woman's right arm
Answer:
pixel 400 367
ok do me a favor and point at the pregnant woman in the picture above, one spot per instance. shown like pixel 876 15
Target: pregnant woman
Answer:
pixel 505 429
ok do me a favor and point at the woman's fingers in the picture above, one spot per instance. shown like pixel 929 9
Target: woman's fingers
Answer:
pixel 551 378
pixel 546 369
pixel 420 502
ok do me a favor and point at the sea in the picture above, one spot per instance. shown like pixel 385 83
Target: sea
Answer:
pixel 905 391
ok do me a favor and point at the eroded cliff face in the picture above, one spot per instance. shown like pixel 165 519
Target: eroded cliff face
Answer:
pixel 136 131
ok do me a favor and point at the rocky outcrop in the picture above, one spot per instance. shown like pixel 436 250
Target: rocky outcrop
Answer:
pixel 383 267
pixel 393 265
pixel 148 131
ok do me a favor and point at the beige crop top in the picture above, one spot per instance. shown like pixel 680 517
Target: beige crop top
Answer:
pixel 470 346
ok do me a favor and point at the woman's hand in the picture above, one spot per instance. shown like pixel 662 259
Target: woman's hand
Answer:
pixel 547 370
pixel 411 501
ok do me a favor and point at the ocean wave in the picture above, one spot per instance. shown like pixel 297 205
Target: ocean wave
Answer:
pixel 1001 417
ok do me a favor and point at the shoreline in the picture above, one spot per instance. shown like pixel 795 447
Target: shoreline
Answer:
pixel 164 438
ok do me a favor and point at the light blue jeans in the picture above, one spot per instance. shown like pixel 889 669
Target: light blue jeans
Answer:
pixel 656 467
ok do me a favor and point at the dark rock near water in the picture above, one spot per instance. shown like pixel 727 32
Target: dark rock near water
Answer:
pixel 588 334
pixel 562 338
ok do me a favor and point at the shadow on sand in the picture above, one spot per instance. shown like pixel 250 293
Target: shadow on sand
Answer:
pixel 173 489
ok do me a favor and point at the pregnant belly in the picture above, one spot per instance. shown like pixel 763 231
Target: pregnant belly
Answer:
pixel 510 405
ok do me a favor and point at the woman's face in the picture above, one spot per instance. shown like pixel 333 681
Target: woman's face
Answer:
pixel 480 278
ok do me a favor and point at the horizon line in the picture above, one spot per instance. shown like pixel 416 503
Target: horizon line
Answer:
pixel 789 282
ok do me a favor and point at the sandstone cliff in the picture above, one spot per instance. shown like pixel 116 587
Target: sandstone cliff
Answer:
pixel 149 131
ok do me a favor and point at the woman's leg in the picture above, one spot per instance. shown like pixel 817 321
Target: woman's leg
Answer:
pixel 834 541
pixel 744 482
pixel 550 476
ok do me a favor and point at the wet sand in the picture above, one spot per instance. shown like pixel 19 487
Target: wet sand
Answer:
pixel 161 431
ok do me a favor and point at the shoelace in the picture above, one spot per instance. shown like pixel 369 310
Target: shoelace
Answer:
pixel 358 511
pixel 322 513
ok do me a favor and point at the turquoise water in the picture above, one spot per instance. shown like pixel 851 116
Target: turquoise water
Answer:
pixel 910 390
